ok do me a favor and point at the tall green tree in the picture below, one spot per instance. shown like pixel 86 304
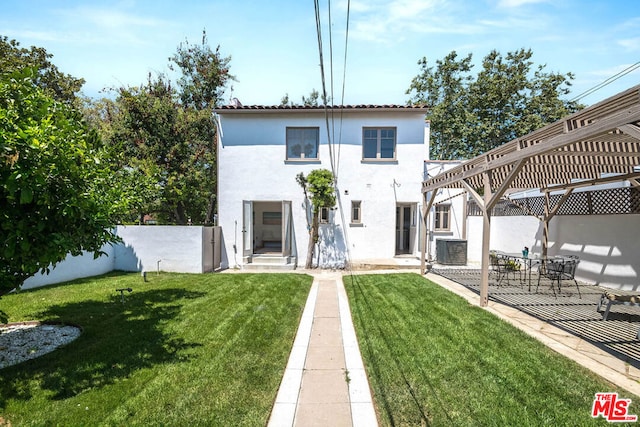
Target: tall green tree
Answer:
pixel 318 188
pixel 506 99
pixel 155 136
pixel 204 74
pixel 57 191
pixel 62 87
pixel 138 178
pixel 167 134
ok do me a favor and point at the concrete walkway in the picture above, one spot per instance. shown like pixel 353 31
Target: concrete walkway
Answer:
pixel 324 382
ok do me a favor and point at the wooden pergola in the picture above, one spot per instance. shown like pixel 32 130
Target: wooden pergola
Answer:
pixel 596 145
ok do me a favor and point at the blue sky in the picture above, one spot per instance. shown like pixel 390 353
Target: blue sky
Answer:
pixel 274 48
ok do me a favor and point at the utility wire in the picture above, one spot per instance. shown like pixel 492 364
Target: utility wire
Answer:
pixel 333 125
pixel 324 85
pixel 331 129
pixel 344 79
pixel 607 81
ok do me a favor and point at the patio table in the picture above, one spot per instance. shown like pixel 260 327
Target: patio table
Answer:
pixel 526 261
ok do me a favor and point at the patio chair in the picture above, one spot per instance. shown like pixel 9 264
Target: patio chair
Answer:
pixel 504 266
pixel 557 270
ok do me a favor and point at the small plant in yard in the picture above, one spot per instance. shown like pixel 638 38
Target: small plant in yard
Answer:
pixel 207 349
pixel 433 359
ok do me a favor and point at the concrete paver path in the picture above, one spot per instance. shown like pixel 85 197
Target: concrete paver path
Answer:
pixel 325 382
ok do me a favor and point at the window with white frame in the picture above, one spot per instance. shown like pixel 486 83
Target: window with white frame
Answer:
pixel 356 212
pixel 302 143
pixel 442 219
pixel 378 143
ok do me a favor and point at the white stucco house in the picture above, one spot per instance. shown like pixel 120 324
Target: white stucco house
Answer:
pixel 376 152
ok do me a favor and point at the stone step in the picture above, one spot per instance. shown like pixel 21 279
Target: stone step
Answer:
pixel 270 259
pixel 270 267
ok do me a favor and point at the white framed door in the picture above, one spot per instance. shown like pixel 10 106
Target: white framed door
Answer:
pixel 406 228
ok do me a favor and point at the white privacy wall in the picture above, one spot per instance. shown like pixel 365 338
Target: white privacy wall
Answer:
pixel 181 249
pixel 75 267
pixel 160 247
pixel 606 244
pixel 252 166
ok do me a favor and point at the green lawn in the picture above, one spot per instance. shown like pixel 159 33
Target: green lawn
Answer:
pixel 183 350
pixel 433 359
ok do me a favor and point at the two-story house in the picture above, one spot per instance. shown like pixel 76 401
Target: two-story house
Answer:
pixel 377 154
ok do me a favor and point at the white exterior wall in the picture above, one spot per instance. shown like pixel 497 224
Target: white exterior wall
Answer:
pixel 252 166
pixel 167 248
pixel 75 267
pixel 181 249
pixel 606 244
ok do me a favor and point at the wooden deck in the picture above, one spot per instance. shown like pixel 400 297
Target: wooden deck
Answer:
pixel 578 316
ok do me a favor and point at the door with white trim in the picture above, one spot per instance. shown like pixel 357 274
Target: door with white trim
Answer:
pixel 406 228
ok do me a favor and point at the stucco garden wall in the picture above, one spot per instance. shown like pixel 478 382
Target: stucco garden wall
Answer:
pixel 75 267
pixel 182 249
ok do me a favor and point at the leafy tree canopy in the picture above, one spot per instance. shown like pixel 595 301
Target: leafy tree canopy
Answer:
pixel 57 191
pixel 62 87
pixel 471 115
pixel 205 74
pixel 167 136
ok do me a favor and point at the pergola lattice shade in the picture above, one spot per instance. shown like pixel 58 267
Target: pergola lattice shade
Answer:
pixel 591 144
pixel 612 201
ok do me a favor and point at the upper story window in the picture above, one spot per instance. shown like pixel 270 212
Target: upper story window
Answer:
pixel 379 143
pixel 302 143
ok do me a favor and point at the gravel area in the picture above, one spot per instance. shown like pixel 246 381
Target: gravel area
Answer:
pixel 23 341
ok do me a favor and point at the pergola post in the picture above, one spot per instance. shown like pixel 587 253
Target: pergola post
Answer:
pixel 427 202
pixel 486 234
pixel 486 240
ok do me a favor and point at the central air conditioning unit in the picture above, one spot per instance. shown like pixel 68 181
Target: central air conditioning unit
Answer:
pixel 451 251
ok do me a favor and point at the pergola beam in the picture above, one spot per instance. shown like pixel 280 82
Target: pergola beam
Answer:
pixel 484 162
pixel 615 178
pixel 631 130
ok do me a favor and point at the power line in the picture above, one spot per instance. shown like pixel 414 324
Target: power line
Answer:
pixel 331 129
pixel 344 79
pixel 607 81
pixel 324 85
